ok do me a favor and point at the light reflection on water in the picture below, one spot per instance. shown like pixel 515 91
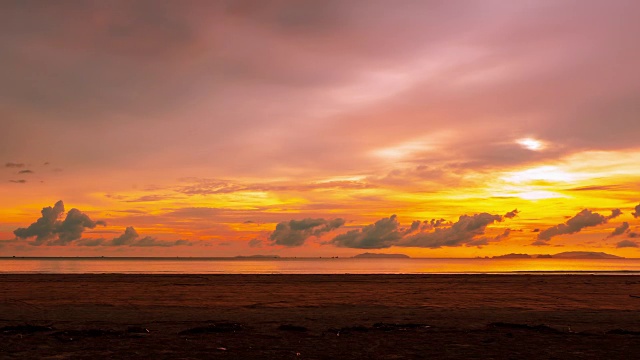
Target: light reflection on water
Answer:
pixel 312 266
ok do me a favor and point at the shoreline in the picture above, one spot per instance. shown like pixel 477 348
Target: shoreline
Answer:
pixel 319 316
pixel 470 273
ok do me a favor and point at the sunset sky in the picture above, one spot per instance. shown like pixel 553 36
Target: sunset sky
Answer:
pixel 319 128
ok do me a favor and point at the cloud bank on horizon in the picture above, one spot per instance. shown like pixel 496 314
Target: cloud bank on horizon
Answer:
pixel 233 121
pixel 468 231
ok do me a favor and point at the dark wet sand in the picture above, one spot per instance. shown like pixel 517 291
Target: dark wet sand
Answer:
pixel 319 317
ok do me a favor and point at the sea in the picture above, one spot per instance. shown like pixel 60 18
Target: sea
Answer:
pixel 110 265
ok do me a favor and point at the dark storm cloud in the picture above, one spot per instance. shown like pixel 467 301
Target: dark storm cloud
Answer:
pixel 636 213
pixel 585 218
pixel 623 228
pixel 50 230
pixel 627 244
pixel 296 232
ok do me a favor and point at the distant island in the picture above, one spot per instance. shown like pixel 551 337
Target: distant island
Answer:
pixel 562 255
pixel 257 257
pixel 513 256
pixel 585 255
pixel 381 256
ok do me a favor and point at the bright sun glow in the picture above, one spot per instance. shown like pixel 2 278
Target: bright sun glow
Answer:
pixel 531 144
pixel 539 195
pixel 541 173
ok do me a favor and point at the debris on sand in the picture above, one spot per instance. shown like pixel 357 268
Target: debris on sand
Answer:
pixel 513 326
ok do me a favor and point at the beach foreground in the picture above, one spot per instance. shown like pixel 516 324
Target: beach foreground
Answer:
pixel 319 316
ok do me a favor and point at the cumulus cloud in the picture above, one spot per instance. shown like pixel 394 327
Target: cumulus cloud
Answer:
pixel 504 235
pixel 127 238
pixel 130 237
pixel 466 231
pixel 386 232
pixel 73 226
pixel 614 214
pixel 296 232
pixel 382 234
pixel 627 244
pixel 624 227
pixel 511 214
pixel 50 230
pixel 585 218
pixel 636 214
pixel 43 229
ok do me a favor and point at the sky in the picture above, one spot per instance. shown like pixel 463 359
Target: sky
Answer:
pixel 319 128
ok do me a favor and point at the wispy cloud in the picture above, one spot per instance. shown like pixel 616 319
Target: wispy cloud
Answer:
pixel 14 165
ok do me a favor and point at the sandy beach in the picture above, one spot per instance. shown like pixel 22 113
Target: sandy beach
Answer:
pixel 319 316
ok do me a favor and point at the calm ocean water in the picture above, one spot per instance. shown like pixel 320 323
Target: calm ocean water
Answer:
pixel 312 266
